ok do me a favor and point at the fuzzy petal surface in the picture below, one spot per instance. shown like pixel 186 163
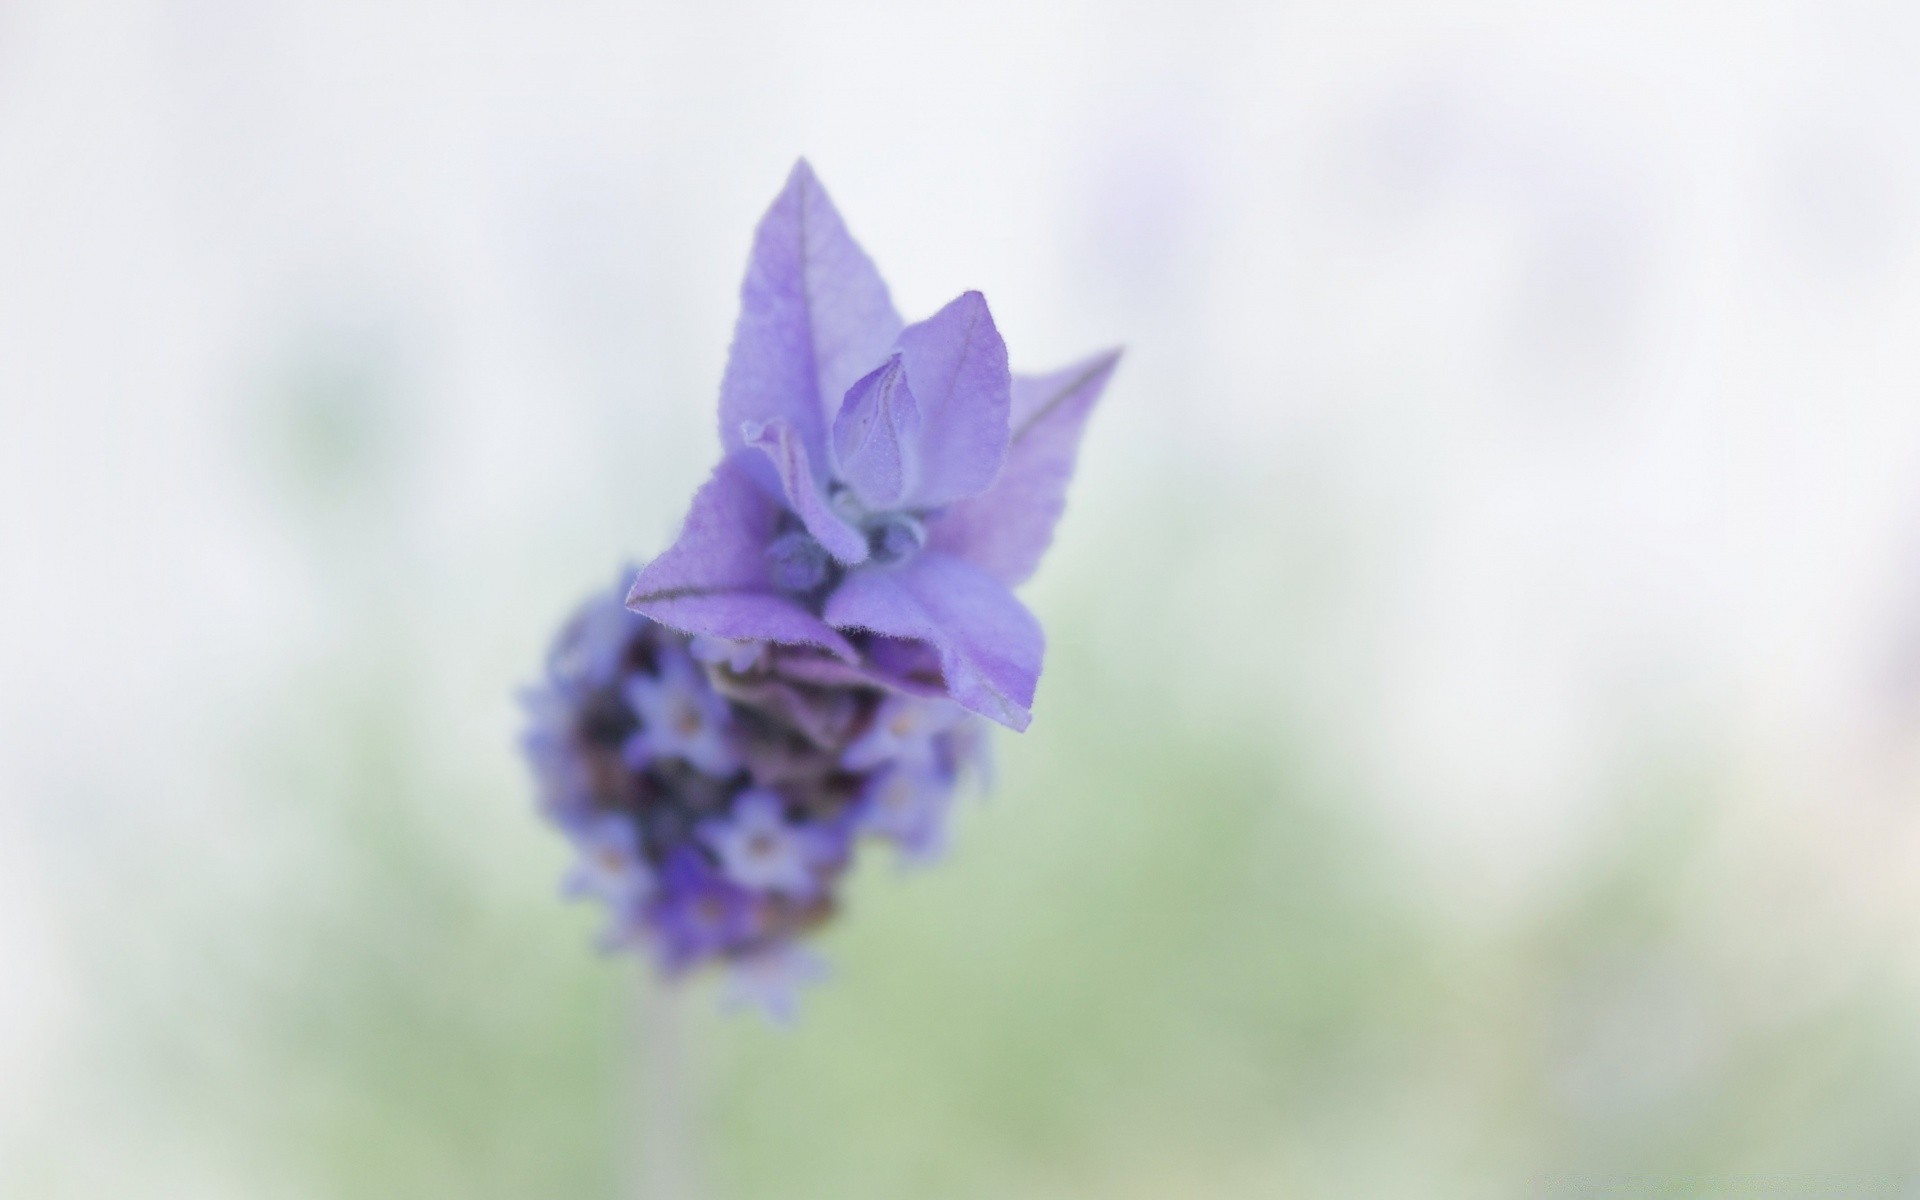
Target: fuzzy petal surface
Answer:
pixel 876 437
pixel 989 645
pixel 957 365
pixel 713 579
pixel 783 446
pixel 814 317
pixel 1006 529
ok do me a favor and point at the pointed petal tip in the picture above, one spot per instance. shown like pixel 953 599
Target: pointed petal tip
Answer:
pixel 646 604
pixel 638 593
pixel 804 187
pixel 1098 368
pixel 1080 372
pixel 972 303
pixel 991 648
pixel 994 704
pixel 1097 365
pixel 1014 718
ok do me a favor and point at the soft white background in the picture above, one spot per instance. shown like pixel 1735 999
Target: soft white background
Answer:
pixel 1573 347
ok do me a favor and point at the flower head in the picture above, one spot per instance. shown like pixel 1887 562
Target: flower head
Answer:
pixel 884 486
pixel 800 671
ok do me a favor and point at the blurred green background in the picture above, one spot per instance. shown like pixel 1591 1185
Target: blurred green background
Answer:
pixel 1476 755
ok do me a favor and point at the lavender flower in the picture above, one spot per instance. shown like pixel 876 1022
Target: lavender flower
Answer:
pixel 714 808
pixel 884 485
pixel 801 670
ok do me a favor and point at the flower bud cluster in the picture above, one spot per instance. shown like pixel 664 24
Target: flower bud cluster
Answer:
pixel 715 792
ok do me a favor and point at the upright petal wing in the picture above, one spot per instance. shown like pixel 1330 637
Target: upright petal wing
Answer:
pixel 714 580
pixel 957 365
pixel 876 437
pixel 788 454
pixel 990 646
pixel 814 317
pixel 1006 529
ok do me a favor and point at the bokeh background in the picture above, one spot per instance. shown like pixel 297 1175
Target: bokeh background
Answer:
pixel 1480 743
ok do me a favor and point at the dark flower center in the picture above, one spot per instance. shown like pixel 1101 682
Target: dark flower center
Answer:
pixel 797 563
pixel 895 537
pixel 800 566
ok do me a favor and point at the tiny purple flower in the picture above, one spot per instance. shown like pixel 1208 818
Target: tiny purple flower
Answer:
pixel 907 804
pixel 903 729
pixel 590 652
pixel 761 851
pixel 681 717
pixel 610 869
pixel 770 981
pixel 696 913
pixel 881 482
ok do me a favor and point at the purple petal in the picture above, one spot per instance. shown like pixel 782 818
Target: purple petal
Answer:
pixel 788 453
pixel 771 979
pixel 876 437
pixel 958 367
pixel 989 644
pixel 1006 529
pixel 814 317
pixel 713 579
pixel 874 671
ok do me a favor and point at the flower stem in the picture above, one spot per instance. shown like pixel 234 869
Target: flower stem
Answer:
pixel 666 1158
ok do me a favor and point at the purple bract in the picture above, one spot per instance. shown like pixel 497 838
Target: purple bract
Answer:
pixel 884 486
